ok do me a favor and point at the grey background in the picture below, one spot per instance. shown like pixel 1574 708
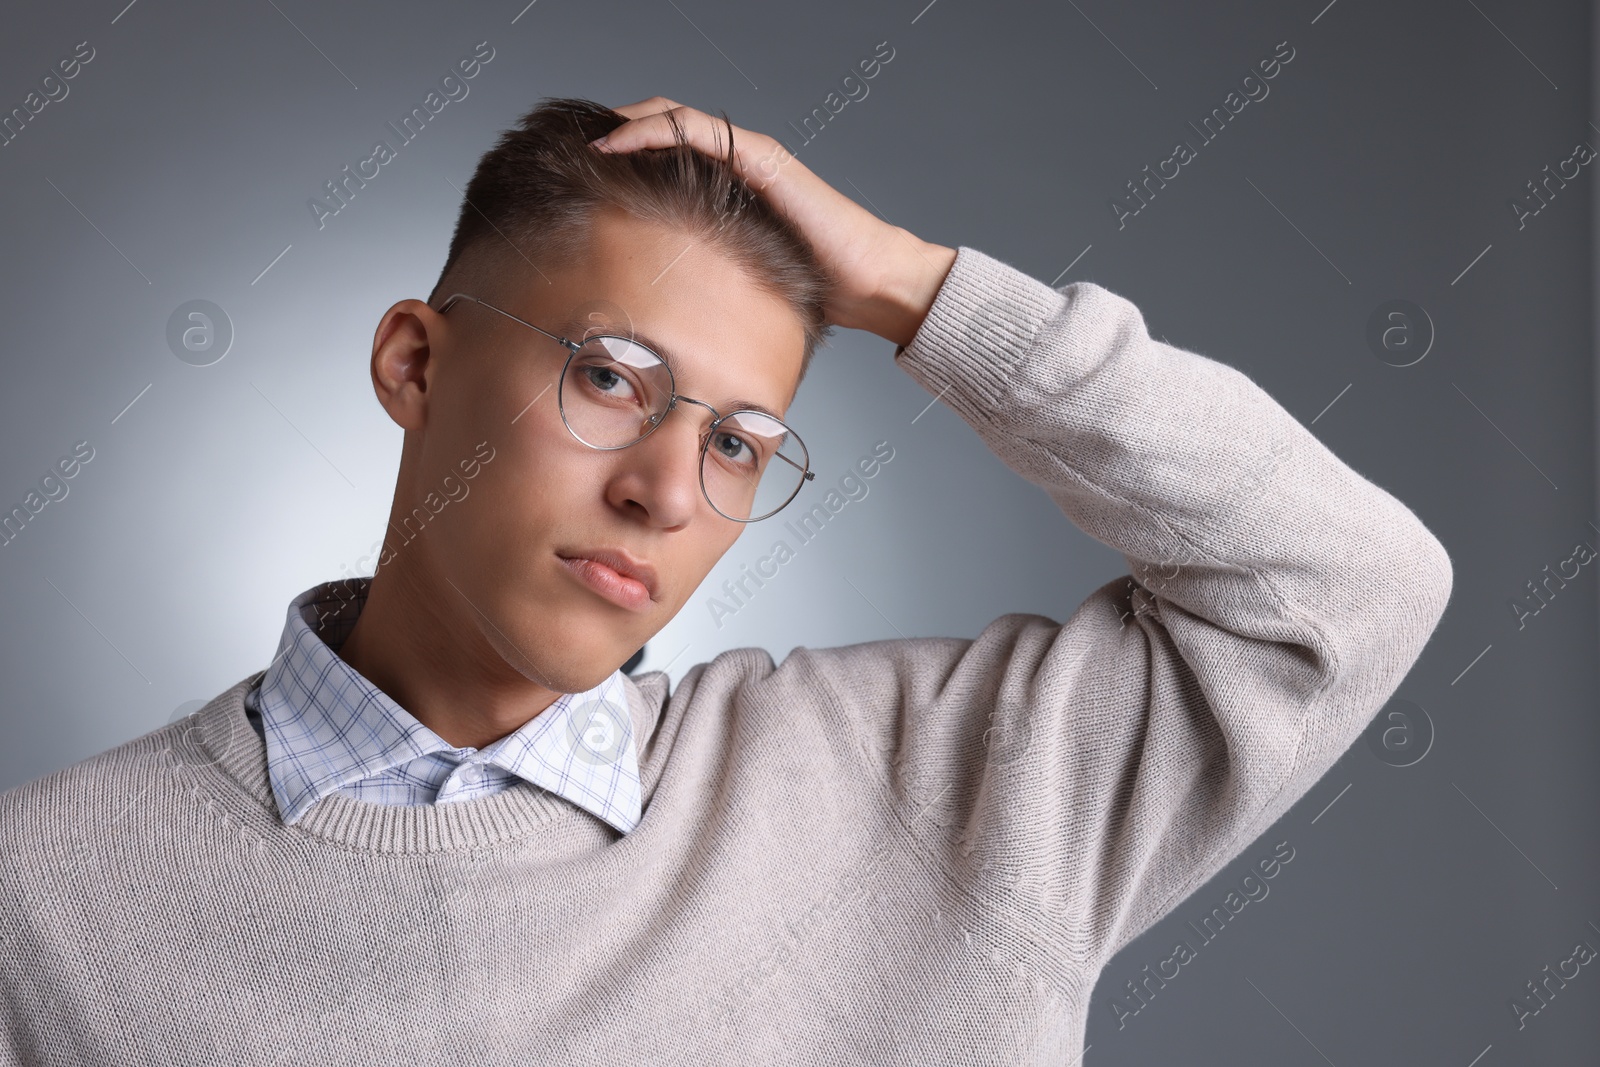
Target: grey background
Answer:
pixel 1420 899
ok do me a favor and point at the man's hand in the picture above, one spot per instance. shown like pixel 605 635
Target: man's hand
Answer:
pixel 884 277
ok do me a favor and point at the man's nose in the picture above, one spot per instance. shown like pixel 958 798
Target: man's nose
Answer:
pixel 662 472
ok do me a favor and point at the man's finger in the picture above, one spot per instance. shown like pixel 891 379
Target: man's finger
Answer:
pixel 646 107
pixel 706 134
pixel 757 158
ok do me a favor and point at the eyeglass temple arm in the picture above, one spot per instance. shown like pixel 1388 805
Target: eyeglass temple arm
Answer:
pixel 450 301
pixel 808 475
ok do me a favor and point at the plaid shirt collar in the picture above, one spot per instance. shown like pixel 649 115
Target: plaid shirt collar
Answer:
pixel 328 729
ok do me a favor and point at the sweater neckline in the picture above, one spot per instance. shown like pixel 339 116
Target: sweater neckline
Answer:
pixel 222 739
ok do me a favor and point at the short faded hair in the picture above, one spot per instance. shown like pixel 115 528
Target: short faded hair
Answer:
pixel 541 184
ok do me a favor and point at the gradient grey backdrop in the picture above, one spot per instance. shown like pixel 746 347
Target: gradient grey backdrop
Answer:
pixel 179 166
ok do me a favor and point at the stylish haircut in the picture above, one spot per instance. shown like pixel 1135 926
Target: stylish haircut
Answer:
pixel 538 189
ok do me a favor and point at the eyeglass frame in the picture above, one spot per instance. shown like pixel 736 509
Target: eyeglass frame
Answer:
pixel 572 347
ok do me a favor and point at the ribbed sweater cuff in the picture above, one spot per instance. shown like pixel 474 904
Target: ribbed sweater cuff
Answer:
pixel 983 319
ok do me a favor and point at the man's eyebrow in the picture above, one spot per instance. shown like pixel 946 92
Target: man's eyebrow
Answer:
pixel 666 357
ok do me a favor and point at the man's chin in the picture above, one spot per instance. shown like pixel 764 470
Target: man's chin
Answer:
pixel 573 650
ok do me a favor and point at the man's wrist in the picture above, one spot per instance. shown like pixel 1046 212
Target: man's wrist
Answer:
pixel 909 288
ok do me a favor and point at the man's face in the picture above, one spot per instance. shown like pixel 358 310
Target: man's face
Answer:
pixel 545 495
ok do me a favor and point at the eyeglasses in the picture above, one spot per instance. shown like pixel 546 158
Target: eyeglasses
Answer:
pixel 614 392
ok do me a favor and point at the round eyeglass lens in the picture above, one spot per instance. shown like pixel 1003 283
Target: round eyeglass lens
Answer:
pixel 752 466
pixel 613 391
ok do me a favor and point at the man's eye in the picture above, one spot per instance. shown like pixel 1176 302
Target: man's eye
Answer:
pixel 610 382
pixel 737 450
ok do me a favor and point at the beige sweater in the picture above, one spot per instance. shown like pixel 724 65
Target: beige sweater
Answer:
pixel 903 851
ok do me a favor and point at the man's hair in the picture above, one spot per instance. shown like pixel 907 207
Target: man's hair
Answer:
pixel 539 187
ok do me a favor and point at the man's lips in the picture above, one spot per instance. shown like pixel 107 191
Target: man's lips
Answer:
pixel 623 581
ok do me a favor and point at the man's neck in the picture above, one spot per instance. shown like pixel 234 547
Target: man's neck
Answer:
pixel 423 648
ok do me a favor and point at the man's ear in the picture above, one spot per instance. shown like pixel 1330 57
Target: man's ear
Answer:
pixel 401 347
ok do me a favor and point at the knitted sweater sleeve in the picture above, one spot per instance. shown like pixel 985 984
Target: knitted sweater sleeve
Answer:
pixel 1079 779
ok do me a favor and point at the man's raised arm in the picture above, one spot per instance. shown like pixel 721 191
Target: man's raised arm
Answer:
pixel 1088 775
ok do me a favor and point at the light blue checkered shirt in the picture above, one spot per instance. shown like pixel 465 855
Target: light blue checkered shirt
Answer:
pixel 329 730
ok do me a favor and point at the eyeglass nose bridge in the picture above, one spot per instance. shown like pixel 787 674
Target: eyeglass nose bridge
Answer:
pixel 672 402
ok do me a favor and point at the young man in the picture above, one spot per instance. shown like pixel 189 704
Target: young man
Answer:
pixel 443 824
